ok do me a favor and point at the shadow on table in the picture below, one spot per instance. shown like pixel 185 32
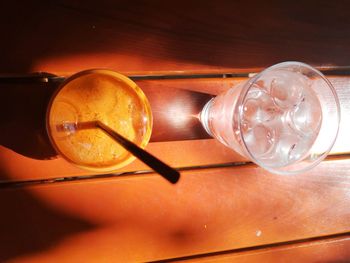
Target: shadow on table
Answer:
pixel 28 226
pixel 23 115
pixel 231 34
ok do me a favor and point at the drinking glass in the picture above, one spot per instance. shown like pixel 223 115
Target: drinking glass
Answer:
pixel 98 95
pixel 285 119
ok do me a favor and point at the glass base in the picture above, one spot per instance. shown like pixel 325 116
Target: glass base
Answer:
pixel 204 117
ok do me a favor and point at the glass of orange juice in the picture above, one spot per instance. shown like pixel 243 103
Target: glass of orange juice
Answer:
pixel 98 95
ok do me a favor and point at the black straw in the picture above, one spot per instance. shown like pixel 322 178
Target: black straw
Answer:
pixel 157 165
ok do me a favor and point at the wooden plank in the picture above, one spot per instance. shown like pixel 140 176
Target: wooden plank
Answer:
pixel 24 142
pixel 323 250
pixel 144 218
pixel 134 37
pixel 19 152
pixel 14 166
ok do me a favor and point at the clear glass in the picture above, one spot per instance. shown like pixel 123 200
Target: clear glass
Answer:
pixel 285 119
pixel 102 95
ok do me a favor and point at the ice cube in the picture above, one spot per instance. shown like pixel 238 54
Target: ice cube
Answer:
pixel 307 116
pixel 289 148
pixel 287 88
pixel 259 140
pixel 258 107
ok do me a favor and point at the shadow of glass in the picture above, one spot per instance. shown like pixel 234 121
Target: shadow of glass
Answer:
pixel 176 113
pixel 22 114
pixel 29 226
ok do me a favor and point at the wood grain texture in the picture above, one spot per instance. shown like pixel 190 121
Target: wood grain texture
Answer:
pixel 152 36
pixel 145 218
pixel 328 250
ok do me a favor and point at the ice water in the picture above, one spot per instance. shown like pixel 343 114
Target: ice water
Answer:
pixel 276 122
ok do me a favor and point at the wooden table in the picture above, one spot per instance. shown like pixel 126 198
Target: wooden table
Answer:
pixel 223 209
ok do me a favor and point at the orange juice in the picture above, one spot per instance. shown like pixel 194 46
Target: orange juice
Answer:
pixel 101 95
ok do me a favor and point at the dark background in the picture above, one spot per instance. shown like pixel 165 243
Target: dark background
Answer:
pixel 219 34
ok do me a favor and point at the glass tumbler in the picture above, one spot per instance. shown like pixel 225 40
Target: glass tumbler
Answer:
pixel 98 95
pixel 285 119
